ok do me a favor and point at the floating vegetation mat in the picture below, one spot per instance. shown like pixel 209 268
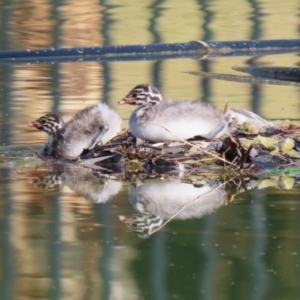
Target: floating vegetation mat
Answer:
pixel 251 148
pixel 248 148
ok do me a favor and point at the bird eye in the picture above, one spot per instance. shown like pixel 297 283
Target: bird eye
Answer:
pixel 43 122
pixel 134 95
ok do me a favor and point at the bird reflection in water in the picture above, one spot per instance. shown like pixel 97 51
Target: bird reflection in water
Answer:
pixel 79 179
pixel 158 202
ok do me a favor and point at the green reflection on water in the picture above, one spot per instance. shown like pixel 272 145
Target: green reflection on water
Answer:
pixel 61 245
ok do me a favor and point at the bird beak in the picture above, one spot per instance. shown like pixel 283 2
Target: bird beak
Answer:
pixel 126 100
pixel 34 124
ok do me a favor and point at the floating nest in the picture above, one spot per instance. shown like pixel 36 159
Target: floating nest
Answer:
pixel 249 148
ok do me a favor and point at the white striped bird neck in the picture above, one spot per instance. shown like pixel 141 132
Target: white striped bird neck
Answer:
pixel 143 95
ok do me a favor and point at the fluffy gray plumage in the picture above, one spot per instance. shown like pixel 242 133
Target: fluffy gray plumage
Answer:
pixel 93 124
pixel 158 120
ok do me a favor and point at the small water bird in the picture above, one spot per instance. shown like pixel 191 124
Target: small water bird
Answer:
pixel 84 131
pixel 158 120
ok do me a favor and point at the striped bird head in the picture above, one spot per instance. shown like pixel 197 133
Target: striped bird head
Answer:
pixel 142 94
pixel 49 123
pixel 143 224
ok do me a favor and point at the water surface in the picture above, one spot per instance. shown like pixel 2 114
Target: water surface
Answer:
pixel 71 234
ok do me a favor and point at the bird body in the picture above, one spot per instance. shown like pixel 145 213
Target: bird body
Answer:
pixel 171 120
pixel 86 129
pixel 158 120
